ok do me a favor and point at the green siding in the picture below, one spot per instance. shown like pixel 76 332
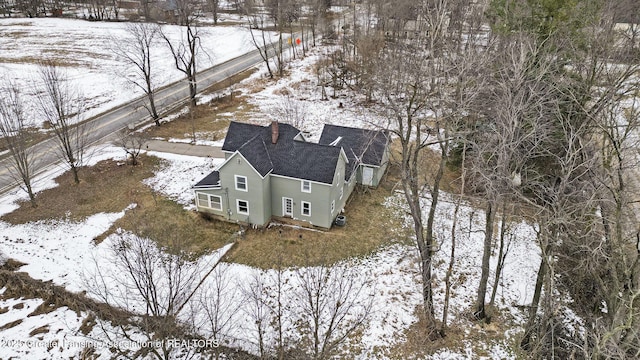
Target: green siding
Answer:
pixel 257 194
pixel 339 183
pixel 292 188
pixel 265 196
pixel 378 172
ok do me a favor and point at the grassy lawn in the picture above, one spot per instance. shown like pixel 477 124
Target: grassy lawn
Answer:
pixel 171 226
pixel 105 187
pixel 110 187
pixel 210 120
pixel 370 225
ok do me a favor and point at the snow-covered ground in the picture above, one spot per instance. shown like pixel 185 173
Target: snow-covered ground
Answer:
pixel 63 251
pixel 85 51
pixel 300 93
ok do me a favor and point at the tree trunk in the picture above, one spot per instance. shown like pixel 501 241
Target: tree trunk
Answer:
pixel 501 253
pixel 153 109
pixel 535 302
pixel 429 241
pixel 32 196
pixel 480 312
pixel 74 170
pixel 193 91
pixel 452 254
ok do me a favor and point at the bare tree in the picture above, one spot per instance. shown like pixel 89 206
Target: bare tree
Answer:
pixel 257 310
pixel 132 143
pixel 214 6
pixel 331 300
pixel 6 7
pixel 146 6
pixel 22 163
pixel 407 97
pixel 586 212
pixel 291 111
pixel 268 50
pixel 62 106
pixel 506 238
pixel 220 301
pixel 425 91
pixel 186 49
pixel 454 238
pixel 156 285
pixel 243 6
pixel 564 214
pixel 520 97
pixel 136 53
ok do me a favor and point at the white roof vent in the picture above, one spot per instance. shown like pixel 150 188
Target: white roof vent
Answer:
pixel 336 141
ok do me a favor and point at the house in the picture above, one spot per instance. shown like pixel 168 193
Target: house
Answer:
pixel 272 172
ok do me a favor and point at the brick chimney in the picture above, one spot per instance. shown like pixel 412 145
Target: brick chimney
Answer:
pixel 274 132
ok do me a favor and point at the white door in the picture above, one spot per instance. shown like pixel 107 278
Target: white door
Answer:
pixel 287 207
pixel 367 176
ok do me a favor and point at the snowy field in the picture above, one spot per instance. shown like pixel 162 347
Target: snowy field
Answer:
pixel 84 49
pixel 63 251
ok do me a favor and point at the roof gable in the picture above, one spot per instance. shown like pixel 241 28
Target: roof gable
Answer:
pixel 255 151
pixel 290 156
pixel 367 146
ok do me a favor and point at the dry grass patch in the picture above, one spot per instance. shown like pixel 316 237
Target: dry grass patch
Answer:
pixel 171 226
pixel 87 324
pixel 206 121
pixel 111 187
pixel 370 225
pixel 428 167
pixel 104 187
pixel 230 81
pixel 41 330
pixel 11 324
pixel 11 265
pixel 419 343
pixel 49 305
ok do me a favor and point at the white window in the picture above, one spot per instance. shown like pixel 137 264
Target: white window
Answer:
pixel 341 192
pixel 243 207
pixel 210 201
pixel 241 183
pixel 306 208
pixel 306 186
pixel 333 206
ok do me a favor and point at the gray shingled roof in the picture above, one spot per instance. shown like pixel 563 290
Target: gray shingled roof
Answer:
pixel 288 157
pixel 367 145
pixel 211 180
pixel 255 151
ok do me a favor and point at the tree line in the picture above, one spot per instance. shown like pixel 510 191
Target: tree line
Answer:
pixel 534 105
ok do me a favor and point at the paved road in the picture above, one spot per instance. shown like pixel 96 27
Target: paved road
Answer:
pixel 105 126
pixel 185 149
